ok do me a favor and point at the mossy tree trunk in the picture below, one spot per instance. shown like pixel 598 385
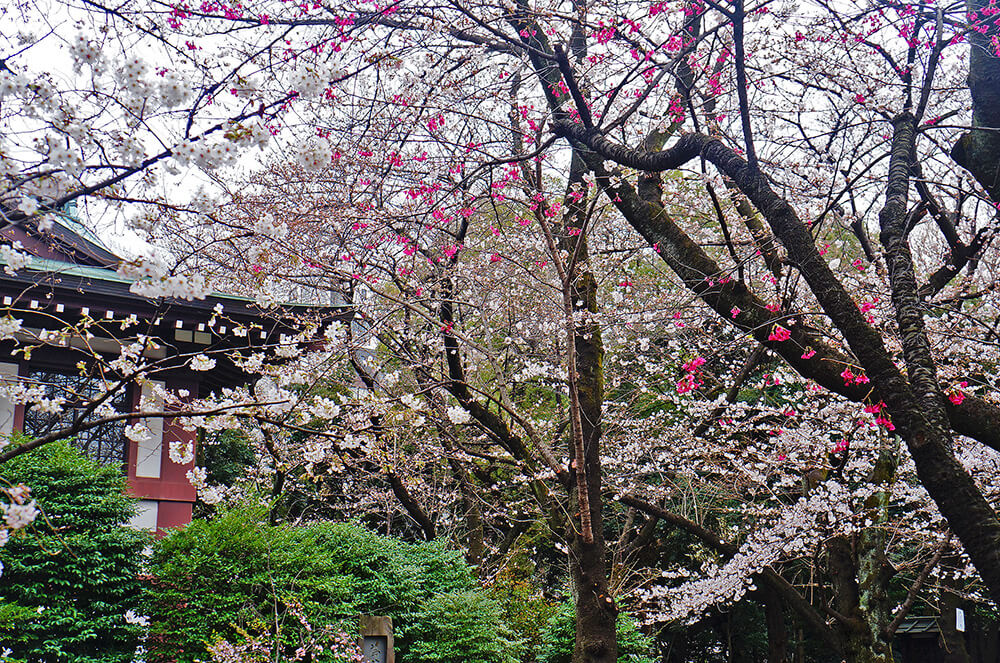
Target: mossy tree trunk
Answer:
pixel 596 610
pixel 978 151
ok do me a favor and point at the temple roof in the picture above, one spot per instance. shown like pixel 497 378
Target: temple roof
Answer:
pixel 72 278
pixel 67 239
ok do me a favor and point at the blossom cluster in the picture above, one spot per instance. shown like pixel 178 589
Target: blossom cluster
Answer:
pixel 793 533
pixel 19 511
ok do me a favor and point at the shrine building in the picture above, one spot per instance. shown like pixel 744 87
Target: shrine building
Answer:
pixel 72 281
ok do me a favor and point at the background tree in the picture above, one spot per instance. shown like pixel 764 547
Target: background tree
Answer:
pixel 75 571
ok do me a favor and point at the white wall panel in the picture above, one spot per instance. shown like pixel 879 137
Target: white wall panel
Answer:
pixel 146 512
pixel 149 452
pixel 8 373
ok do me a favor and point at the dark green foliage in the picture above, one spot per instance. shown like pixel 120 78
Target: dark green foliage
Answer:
pixel 559 636
pixel 235 575
pixel 461 626
pixel 69 579
pixel 523 608
pixel 225 455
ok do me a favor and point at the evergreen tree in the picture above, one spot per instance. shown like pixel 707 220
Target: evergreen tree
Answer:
pixel 69 579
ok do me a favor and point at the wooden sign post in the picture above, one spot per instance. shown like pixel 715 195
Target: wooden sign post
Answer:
pixel 376 639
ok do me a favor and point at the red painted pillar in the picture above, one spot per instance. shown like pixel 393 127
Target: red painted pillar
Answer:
pixel 176 495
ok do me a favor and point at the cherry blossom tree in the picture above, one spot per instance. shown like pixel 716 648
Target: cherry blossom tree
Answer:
pixel 757 150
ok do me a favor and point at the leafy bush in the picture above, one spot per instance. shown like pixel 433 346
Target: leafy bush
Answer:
pixel 524 608
pixel 235 577
pixel 559 637
pixel 461 626
pixel 69 579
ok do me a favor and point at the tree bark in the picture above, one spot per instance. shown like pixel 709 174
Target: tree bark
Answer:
pixel 596 610
pixel 923 421
pixel 978 151
pixel 860 644
pixel 952 640
pixel 774 619
pixel 874 570
pixel 411 505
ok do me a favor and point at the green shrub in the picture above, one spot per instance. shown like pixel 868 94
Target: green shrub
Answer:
pixel 461 626
pixel 69 579
pixel 523 607
pixel 559 637
pixel 235 577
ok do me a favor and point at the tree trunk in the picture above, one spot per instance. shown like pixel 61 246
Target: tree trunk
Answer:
pixel 774 618
pixel 918 408
pixel 475 546
pixel 596 610
pixel 952 640
pixel 874 570
pixel 859 643
pixel 978 151
pixel 919 405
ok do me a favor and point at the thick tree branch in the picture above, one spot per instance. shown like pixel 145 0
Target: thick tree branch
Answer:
pixel 978 150
pixel 411 505
pixel 925 426
pixel 974 417
pixel 913 410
